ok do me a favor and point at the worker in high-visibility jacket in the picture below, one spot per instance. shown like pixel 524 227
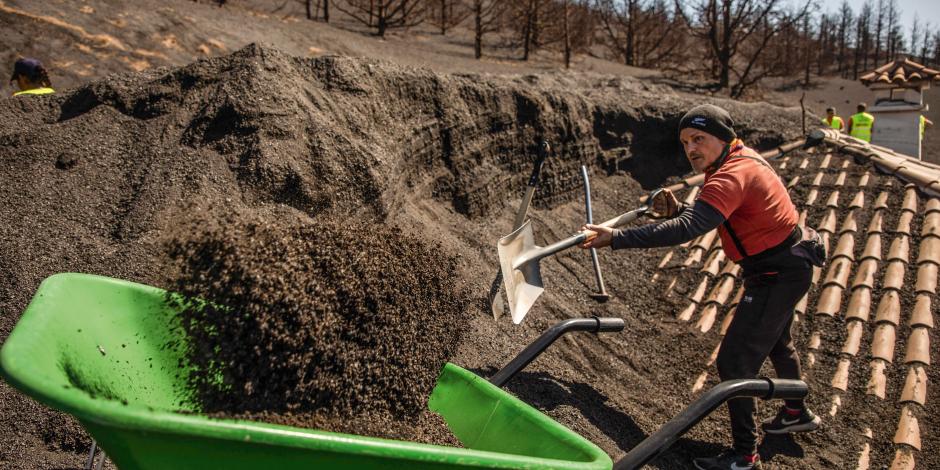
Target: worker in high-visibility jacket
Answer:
pixel 924 124
pixel 861 124
pixel 31 78
pixel 833 121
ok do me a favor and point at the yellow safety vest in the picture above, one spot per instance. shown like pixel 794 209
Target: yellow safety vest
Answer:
pixel 835 124
pixel 35 91
pixel 923 124
pixel 861 126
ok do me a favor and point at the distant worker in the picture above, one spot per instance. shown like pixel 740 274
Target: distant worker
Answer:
pixel 31 77
pixel 744 199
pixel 832 120
pixel 924 124
pixel 861 123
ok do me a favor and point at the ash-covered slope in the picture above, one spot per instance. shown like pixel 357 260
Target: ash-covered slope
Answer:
pixel 93 177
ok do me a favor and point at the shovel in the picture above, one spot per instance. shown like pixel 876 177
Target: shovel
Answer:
pixel 519 258
pixel 496 301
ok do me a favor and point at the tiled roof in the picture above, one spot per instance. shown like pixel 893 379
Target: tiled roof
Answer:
pixel 899 72
pixel 878 231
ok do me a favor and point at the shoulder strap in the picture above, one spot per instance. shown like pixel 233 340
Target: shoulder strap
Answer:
pixel 734 237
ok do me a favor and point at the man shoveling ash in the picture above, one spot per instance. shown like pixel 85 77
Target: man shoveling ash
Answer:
pixel 747 202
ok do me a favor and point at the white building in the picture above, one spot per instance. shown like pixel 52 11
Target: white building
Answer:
pixel 899 103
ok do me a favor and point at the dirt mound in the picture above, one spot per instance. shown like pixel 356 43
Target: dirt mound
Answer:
pixel 314 316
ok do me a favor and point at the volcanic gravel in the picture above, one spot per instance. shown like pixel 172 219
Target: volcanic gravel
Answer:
pixel 317 323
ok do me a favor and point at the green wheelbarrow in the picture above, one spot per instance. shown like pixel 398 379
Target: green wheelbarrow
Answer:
pixel 97 348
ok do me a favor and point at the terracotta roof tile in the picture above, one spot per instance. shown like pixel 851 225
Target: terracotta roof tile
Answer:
pixel 713 262
pixel 876 221
pixel 817 180
pixel 686 314
pixel 904 223
pixel 828 223
pixel 881 202
pixel 707 240
pixel 865 274
pixel 918 346
pixel 666 259
pixel 812 196
pixel 840 380
pixel 817 271
pixel 737 296
pixel 849 224
pixel 815 340
pixel 933 205
pixel 877 383
pixel 926 279
pixel 838 272
pixel 846 246
pixel 804 164
pixel 833 201
pixel 700 382
pixel 858 202
pixel 910 200
pixel 903 460
pixel 829 300
pixel 917 174
pixel 929 251
pixel 793 182
pixel 889 308
pixel 854 338
pixel 900 249
pixel 801 305
pixel 882 342
pixel 915 386
pixel 825 161
pixel 840 179
pixel 899 71
pixel 894 276
pixel 908 430
pixel 695 256
pixel 721 291
pixel 707 319
pixel 864 179
pixel 931 226
pixel 802 219
pixel 726 322
pixel 784 163
pixel 845 163
pixel 730 269
pixel 836 403
pixel 859 304
pixel 864 458
pixel 699 292
pixel 872 247
pixel 922 314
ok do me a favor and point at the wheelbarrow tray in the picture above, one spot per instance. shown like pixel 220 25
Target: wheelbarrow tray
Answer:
pixel 109 353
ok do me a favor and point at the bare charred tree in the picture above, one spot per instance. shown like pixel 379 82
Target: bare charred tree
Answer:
pixel 737 32
pixel 640 33
pixel 846 18
pixel 486 16
pixel 313 9
pixel 383 15
pixel 445 14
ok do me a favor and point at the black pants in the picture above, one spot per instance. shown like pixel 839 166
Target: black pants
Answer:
pixel 761 329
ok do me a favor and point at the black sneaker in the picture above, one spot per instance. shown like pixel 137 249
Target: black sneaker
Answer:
pixel 785 422
pixel 729 460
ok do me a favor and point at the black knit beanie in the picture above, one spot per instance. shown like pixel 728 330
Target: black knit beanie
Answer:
pixel 711 119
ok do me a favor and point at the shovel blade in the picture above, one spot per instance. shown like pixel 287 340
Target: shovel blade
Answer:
pixel 524 284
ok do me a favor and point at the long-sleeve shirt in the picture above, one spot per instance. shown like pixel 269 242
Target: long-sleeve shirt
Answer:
pixel 698 219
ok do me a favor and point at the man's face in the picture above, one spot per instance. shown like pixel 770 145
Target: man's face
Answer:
pixel 830 114
pixel 701 148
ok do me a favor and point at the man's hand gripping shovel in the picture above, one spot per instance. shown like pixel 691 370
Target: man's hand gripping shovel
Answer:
pixel 519 259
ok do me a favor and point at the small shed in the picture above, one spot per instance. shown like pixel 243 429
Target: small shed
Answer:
pixel 899 104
